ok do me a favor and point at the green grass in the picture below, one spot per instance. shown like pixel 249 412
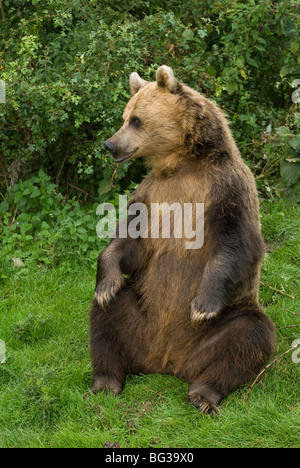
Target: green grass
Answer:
pixel 45 397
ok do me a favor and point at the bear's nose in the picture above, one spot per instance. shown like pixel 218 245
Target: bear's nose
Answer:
pixel 110 147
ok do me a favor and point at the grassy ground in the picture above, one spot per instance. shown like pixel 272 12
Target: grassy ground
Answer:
pixel 45 398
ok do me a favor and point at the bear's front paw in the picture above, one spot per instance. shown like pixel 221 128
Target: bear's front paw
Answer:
pixel 201 312
pixel 107 290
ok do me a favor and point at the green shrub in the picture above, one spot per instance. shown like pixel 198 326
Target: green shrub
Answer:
pixel 66 65
pixel 38 223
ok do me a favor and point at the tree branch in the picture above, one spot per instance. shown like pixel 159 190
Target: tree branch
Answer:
pixel 286 310
pixel 267 367
pixel 278 290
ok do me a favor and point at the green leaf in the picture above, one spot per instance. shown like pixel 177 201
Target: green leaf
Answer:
pixel 285 70
pixel 188 35
pixel 18 196
pixel 295 143
pixel 104 187
pixel 253 62
pixel 36 193
pixel 288 27
pixel 81 230
pixel 202 33
pixel 290 171
pixel 50 201
pixel 231 86
pixel 294 47
pixel 25 227
pixel 283 131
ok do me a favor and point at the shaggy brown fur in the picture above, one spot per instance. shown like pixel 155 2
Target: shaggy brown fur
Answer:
pixel 193 313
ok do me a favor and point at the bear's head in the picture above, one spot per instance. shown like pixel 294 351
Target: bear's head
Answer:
pixel 166 121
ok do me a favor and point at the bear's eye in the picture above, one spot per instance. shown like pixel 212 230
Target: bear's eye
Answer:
pixel 135 122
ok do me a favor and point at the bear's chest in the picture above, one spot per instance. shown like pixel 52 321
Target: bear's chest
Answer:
pixel 187 187
pixel 172 238
pixel 173 213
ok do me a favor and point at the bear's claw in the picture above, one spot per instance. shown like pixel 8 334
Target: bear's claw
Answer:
pixel 204 405
pixel 200 312
pixel 106 291
pixel 106 384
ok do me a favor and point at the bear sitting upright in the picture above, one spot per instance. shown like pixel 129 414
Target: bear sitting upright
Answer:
pixel 192 312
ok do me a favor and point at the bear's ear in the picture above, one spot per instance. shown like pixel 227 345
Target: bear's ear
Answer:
pixel 165 79
pixel 136 83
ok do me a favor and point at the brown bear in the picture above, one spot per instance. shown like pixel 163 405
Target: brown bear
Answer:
pixel 160 306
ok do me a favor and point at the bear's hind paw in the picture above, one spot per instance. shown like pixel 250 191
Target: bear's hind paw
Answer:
pixel 203 405
pixel 107 384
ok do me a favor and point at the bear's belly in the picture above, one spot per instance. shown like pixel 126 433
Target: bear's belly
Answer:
pixel 172 276
pixel 168 286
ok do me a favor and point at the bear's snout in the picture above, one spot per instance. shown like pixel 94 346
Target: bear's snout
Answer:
pixel 110 147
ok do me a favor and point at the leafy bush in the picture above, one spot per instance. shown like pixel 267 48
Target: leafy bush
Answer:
pixel 44 226
pixel 66 65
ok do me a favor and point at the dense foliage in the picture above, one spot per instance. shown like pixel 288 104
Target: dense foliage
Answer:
pixel 65 65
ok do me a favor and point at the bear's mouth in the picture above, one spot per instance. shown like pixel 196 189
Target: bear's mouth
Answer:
pixel 127 157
